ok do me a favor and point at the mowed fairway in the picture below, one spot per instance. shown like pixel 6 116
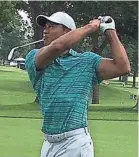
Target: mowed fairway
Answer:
pixel 112 123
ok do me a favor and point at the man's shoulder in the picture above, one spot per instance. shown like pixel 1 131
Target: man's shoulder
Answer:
pixel 31 53
pixel 91 57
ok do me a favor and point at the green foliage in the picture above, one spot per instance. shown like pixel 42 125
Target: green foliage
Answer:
pixel 13 30
pixel 12 36
pixel 131 45
pixel 7 11
pixel 125 14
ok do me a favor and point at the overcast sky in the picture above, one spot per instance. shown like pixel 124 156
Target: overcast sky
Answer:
pixel 24 16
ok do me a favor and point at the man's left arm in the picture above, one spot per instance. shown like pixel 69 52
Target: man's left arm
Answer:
pixel 119 65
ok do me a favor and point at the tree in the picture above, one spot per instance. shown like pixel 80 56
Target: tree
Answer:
pixel 124 13
pixel 12 28
pixel 131 45
pixel 7 12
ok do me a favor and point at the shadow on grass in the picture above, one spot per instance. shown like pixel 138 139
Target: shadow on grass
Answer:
pixel 26 107
pixel 131 87
pixel 116 120
pixel 117 81
pixel 93 119
pixel 32 110
pixel 6 71
pixel 34 106
pixel 22 117
pixel 111 109
pixel 17 86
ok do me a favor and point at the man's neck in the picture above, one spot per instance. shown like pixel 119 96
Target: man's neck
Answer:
pixel 64 53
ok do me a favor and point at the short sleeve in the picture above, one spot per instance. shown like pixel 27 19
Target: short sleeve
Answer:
pixel 31 67
pixel 98 60
pixel 95 61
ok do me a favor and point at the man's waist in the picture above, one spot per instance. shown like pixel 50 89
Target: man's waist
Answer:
pixel 61 127
pixel 52 138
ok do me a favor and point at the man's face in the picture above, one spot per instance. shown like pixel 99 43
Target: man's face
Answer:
pixel 53 31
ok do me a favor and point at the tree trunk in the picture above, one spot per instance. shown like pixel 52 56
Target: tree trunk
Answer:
pixel 134 79
pixel 120 78
pixel 125 79
pixel 3 61
pixel 97 49
pixel 95 99
pixel 35 9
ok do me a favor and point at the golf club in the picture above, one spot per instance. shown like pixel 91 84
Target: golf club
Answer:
pixel 13 49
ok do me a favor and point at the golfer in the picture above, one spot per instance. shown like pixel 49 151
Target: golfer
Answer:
pixel 64 80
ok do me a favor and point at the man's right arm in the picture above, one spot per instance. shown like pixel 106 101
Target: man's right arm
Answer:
pixel 48 53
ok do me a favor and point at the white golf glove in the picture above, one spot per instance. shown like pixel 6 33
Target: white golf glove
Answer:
pixel 107 22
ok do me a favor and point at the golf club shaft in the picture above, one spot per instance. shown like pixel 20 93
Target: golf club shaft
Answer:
pixel 13 49
pixel 30 43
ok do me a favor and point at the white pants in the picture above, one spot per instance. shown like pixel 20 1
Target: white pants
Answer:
pixel 78 145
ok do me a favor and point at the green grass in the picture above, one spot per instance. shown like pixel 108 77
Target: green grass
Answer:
pixel 20 137
pixel 112 123
pixel 114 139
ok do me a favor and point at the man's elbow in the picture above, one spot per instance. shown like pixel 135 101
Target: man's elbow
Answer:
pixel 126 69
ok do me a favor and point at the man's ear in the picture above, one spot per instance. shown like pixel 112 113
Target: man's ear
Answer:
pixel 66 30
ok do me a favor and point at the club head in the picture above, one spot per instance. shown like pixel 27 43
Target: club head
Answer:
pixel 11 53
pixel 13 49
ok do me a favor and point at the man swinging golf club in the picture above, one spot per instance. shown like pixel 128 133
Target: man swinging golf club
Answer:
pixel 64 79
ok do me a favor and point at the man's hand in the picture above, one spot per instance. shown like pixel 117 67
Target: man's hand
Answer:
pixel 106 23
pixel 95 24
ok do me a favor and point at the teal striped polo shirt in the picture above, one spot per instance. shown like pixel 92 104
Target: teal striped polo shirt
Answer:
pixel 64 89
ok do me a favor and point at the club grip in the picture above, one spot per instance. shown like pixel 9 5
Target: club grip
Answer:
pixel 108 21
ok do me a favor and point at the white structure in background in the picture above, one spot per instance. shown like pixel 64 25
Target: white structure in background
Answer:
pixel 17 62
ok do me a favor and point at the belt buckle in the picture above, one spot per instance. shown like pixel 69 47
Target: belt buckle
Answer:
pixel 63 136
pixel 56 138
pixel 59 137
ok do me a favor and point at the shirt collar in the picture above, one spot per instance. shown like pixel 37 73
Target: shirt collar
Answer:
pixel 73 53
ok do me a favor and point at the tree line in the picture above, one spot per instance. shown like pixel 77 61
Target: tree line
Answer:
pixel 125 14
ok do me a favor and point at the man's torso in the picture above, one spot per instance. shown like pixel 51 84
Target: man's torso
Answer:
pixel 64 88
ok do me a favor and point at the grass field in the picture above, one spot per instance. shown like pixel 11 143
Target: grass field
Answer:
pixel 112 123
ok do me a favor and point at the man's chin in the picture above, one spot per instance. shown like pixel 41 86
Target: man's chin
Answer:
pixel 46 43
